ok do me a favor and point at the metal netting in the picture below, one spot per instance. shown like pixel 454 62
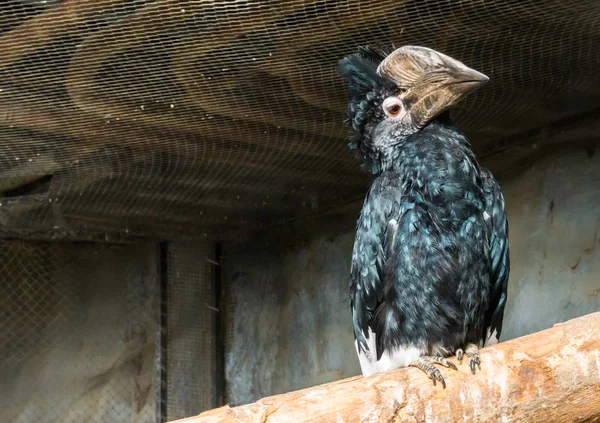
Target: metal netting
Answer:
pixel 97 332
pixel 78 333
pixel 190 352
pixel 178 118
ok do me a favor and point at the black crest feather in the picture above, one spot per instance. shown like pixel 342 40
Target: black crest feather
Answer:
pixel 365 86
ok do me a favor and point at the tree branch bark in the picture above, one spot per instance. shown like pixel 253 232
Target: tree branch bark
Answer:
pixel 549 376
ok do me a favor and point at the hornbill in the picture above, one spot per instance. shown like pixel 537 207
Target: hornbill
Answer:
pixel 430 263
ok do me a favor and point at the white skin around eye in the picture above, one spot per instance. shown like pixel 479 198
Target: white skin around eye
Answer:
pixel 393 108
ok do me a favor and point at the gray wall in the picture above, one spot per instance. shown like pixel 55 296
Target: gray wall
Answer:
pixel 191 349
pixel 290 323
pixel 78 335
pixel 80 326
pixel 554 212
pixel 289 318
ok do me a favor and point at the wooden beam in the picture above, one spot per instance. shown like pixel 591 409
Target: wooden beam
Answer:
pixel 549 376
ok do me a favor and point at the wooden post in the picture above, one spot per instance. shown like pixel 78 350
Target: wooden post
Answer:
pixel 549 376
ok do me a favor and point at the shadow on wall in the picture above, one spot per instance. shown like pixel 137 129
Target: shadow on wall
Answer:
pixel 289 320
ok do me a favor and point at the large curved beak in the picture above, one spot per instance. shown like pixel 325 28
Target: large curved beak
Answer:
pixel 435 82
pixel 448 91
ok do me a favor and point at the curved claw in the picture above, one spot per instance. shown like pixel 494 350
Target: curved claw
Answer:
pixel 459 354
pixel 445 362
pixel 426 364
pixel 437 375
pixel 472 352
pixel 441 379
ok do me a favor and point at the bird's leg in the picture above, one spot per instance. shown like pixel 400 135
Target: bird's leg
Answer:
pixel 426 364
pixel 472 353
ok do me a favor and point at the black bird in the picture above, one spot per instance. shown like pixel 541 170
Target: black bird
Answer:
pixel 430 263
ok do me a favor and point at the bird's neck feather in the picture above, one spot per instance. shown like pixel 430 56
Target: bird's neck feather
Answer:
pixel 395 157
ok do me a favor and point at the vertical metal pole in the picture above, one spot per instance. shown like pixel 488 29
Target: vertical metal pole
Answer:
pixel 219 365
pixel 163 274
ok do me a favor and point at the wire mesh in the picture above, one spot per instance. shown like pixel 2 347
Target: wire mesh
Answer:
pixel 106 333
pixel 78 333
pixel 202 119
pixel 181 118
pixel 190 351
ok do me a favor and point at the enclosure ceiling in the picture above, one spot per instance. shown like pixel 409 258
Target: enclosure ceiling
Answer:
pixel 196 118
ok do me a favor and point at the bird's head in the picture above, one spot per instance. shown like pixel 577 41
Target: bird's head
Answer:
pixel 396 95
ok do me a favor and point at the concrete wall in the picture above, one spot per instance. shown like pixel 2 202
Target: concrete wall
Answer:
pixel 78 334
pixel 191 350
pixel 554 212
pixel 80 325
pixel 289 318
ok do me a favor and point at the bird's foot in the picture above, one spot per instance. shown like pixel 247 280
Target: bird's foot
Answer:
pixel 426 364
pixel 472 353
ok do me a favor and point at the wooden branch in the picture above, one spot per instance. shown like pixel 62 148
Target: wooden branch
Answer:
pixel 549 376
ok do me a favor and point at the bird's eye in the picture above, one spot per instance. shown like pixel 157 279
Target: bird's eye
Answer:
pixel 403 90
pixel 392 106
pixel 394 110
